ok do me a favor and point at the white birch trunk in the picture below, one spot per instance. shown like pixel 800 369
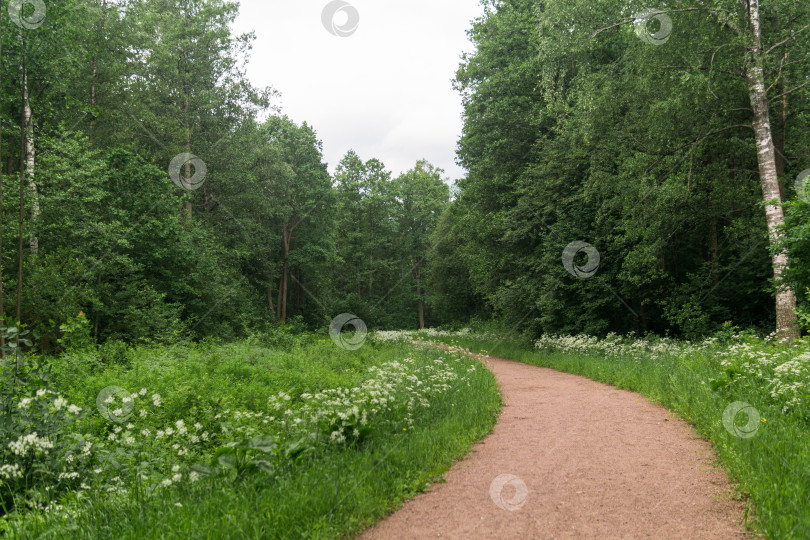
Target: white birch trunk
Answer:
pixel 787 327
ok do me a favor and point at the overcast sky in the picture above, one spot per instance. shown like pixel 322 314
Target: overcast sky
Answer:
pixel 384 91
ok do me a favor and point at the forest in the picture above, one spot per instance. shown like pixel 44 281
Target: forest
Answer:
pixel 175 253
pixel 150 186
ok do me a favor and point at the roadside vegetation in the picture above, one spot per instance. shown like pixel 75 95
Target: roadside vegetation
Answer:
pixel 248 439
pixel 749 396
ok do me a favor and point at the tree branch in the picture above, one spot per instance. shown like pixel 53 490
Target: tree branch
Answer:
pixel 695 142
pixel 783 94
pixel 704 68
pixel 779 74
pixel 633 19
pixel 792 36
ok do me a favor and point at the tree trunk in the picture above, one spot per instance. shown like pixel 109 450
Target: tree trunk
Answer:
pixel 186 181
pixel 270 305
pixel 286 236
pixel 780 134
pixel 787 327
pixel 642 310
pixel 299 291
pixel 2 308
pixel 421 305
pixel 284 278
pixel 28 140
pixel 278 299
pixel 20 223
pixel 189 204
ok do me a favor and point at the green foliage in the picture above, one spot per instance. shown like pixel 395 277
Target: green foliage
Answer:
pixel 20 371
pixel 76 334
pixel 576 134
pixel 239 457
pixel 208 427
pixel 384 229
pixel 268 237
pixel 42 458
pixel 35 426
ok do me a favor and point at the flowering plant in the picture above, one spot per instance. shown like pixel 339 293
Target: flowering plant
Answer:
pixel 743 363
pixel 39 456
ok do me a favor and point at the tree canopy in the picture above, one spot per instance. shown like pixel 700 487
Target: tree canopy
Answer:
pixel 628 169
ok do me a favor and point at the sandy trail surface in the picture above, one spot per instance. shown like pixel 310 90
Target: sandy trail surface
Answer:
pixel 573 458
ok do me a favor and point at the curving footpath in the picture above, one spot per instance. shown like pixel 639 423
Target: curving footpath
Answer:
pixel 573 458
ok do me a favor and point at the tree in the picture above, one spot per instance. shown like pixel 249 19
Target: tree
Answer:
pixel 423 195
pixel 787 326
pixel 301 188
pixel 451 295
pixel 746 22
pixel 636 149
pixel 189 91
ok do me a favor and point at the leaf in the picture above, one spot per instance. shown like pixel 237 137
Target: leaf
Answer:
pixel 296 448
pixel 220 457
pixel 227 460
pixel 266 466
pixel 203 470
pixel 78 437
pixel 262 445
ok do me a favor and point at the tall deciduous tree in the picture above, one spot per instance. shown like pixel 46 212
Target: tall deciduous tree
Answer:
pixel 787 326
pixel 424 195
pixel 301 190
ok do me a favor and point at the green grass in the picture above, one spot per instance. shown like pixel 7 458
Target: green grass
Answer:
pixel 771 469
pixel 330 491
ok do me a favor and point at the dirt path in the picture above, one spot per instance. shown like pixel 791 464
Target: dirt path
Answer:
pixel 586 461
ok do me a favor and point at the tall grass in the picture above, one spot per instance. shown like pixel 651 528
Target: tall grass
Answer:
pixel 327 489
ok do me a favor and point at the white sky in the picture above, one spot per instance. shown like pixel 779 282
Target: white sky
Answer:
pixel 384 91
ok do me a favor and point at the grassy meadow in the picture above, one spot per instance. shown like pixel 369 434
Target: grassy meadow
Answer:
pixel 254 439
